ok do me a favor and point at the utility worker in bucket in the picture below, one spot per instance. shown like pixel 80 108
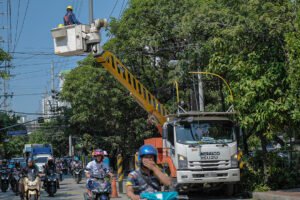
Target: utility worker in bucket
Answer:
pixel 149 177
pixel 70 17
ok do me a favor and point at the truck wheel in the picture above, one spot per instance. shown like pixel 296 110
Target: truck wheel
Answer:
pixel 229 190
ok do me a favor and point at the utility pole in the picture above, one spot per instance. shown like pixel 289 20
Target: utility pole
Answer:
pixel 70 145
pixel 52 88
pixel 7 64
pixel 201 96
pixel 91 11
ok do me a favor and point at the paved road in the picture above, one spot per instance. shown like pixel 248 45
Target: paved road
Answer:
pixel 69 190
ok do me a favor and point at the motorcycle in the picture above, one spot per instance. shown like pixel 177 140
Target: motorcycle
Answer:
pixel 65 169
pixel 4 180
pixel 77 173
pixel 59 172
pixel 14 181
pixel 51 184
pixel 32 186
pixel 100 188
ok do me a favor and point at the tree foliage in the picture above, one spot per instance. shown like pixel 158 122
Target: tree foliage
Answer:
pixel 10 145
pixel 103 109
pixel 4 56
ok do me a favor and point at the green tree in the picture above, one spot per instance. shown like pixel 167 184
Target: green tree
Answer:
pixel 10 146
pixel 245 43
pixel 52 132
pixel 4 56
pixel 103 109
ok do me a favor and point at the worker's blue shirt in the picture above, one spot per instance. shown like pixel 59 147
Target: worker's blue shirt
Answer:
pixel 70 18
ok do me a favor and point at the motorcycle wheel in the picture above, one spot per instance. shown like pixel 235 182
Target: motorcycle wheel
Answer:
pixel 4 188
pixel 77 180
pixel 33 197
pixel 16 189
pixel 12 186
pixel 104 197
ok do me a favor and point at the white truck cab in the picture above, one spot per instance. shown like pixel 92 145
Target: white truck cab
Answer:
pixel 203 148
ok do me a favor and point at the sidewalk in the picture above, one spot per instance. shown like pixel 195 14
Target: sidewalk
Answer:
pixel 291 194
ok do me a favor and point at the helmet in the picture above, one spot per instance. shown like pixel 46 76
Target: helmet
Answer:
pixel 147 149
pixel 30 160
pixel 105 153
pixel 98 152
pixel 70 7
pixel 50 158
pixel 76 158
pixel 18 164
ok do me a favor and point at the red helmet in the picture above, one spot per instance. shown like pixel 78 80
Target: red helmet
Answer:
pixel 98 152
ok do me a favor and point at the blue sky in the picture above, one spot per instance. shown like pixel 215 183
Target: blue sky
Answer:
pixel 33 53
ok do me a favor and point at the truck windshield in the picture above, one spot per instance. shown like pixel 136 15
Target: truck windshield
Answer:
pixel 205 132
pixel 41 160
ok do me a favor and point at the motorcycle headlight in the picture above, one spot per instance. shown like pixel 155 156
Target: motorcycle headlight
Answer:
pixel 182 161
pixel 32 184
pixel 234 160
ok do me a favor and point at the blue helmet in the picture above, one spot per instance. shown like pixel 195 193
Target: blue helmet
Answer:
pixel 147 149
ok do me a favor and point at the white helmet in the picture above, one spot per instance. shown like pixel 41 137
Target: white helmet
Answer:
pixel 105 153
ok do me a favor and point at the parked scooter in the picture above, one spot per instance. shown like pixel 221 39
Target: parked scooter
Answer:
pixel 77 174
pixel 100 188
pixel 51 184
pixel 32 186
pixel 4 180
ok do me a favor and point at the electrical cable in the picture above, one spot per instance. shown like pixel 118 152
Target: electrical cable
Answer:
pixel 29 94
pixel 123 7
pixel 17 24
pixel 21 30
pixel 31 72
pixel 27 113
pixel 112 10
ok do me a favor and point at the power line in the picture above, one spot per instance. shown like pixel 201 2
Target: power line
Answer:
pixel 112 10
pixel 123 7
pixel 29 94
pixel 27 113
pixel 21 30
pixel 17 24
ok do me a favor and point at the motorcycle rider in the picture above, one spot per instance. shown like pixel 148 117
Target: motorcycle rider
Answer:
pixel 50 168
pixel 31 166
pixel 95 167
pixel 4 165
pixel 76 163
pixel 149 177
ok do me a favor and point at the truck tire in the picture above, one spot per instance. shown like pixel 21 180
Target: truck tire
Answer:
pixel 229 189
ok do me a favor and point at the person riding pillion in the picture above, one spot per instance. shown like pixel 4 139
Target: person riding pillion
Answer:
pixel 95 168
pixel 149 177
pixel 70 17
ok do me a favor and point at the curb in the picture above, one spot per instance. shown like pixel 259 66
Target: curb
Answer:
pixel 274 196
